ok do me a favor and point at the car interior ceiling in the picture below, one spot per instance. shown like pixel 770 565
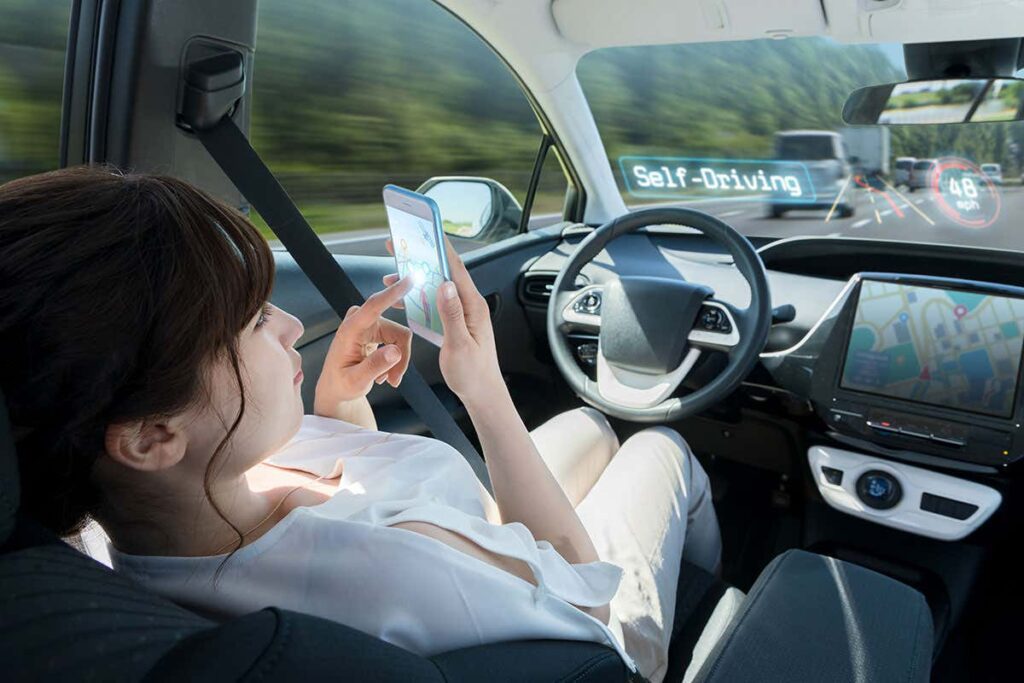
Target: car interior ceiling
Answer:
pixel 803 415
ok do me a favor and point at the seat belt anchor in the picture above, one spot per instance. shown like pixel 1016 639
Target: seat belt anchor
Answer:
pixel 213 87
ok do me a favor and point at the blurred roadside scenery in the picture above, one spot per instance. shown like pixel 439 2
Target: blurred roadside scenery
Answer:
pixel 351 95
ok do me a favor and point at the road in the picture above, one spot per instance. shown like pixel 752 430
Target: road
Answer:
pixel 921 221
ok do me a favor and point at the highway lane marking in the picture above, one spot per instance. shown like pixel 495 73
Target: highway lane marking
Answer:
pixel 862 223
pixel 871 196
pixel 903 197
pixel 838 197
pixel 729 213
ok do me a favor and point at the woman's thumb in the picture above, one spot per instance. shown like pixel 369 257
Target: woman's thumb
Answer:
pixel 452 318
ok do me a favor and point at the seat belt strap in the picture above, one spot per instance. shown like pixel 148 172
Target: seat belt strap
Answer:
pixel 231 150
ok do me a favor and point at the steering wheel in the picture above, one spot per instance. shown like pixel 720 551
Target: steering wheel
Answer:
pixel 651 330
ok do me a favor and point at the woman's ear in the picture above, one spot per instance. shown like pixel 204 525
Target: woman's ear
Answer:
pixel 147 446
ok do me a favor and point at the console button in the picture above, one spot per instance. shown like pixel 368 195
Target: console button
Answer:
pixel 832 475
pixel 915 432
pixel 945 440
pixel 947 507
pixel 883 426
pixel 879 490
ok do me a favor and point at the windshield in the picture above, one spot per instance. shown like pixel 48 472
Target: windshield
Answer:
pixel 752 132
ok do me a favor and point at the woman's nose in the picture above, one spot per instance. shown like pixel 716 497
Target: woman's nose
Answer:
pixel 293 330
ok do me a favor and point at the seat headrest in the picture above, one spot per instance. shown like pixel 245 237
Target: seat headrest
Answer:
pixel 10 486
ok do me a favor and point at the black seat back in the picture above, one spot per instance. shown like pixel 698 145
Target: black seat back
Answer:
pixel 10 488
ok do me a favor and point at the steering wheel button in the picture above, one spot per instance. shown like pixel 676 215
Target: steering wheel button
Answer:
pixel 589 303
pixel 711 319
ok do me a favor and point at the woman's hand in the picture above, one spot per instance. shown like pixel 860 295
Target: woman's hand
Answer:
pixel 366 349
pixel 469 361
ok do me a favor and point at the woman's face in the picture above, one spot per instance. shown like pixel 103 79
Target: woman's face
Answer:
pixel 272 382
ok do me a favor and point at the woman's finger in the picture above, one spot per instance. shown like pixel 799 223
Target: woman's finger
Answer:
pixel 381 301
pixel 400 336
pixel 460 276
pixel 390 246
pixel 452 318
pixel 390 280
pixel 376 364
pixel 475 309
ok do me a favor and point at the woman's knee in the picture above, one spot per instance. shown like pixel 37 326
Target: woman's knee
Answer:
pixel 666 442
pixel 581 431
pixel 603 428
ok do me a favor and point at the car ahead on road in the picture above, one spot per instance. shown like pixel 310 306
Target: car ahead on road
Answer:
pixel 921 174
pixel 823 154
pixel 902 168
pixel 852 387
pixel 993 172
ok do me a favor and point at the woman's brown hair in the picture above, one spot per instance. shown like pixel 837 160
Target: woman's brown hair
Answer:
pixel 116 293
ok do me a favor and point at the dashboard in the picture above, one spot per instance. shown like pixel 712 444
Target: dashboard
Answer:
pixel 893 355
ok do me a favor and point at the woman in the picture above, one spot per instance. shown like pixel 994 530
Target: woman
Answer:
pixel 153 388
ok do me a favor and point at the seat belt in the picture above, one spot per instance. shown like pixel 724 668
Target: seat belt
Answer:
pixel 212 88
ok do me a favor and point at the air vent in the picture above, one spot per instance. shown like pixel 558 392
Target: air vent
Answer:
pixel 535 288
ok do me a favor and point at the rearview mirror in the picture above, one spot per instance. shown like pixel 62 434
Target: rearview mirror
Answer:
pixel 474 208
pixel 955 100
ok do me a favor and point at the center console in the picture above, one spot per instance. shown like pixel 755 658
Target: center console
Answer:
pixel 815 618
pixel 920 370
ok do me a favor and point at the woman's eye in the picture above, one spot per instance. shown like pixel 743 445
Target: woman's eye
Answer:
pixel 264 315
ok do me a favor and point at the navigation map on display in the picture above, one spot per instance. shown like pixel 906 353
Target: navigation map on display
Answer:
pixel 949 348
pixel 416 255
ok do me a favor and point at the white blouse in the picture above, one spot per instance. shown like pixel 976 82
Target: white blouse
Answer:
pixel 343 560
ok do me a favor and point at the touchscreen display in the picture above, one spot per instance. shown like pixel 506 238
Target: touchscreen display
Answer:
pixel 944 347
pixel 416 255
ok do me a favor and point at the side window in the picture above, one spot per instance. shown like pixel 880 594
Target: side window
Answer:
pixel 349 96
pixel 33 39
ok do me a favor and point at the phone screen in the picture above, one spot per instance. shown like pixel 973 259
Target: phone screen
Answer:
pixel 417 254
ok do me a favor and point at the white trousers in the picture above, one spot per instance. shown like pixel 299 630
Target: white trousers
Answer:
pixel 646 504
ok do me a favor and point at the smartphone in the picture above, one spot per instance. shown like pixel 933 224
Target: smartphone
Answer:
pixel 416 234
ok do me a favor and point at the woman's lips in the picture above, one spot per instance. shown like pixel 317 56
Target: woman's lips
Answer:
pixel 298 377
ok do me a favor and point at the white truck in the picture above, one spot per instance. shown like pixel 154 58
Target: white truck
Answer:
pixel 868 149
pixel 823 155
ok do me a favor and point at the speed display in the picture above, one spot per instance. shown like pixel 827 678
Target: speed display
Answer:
pixel 964 193
pixel 943 347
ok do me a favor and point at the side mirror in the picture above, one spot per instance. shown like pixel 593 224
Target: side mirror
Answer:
pixel 474 208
